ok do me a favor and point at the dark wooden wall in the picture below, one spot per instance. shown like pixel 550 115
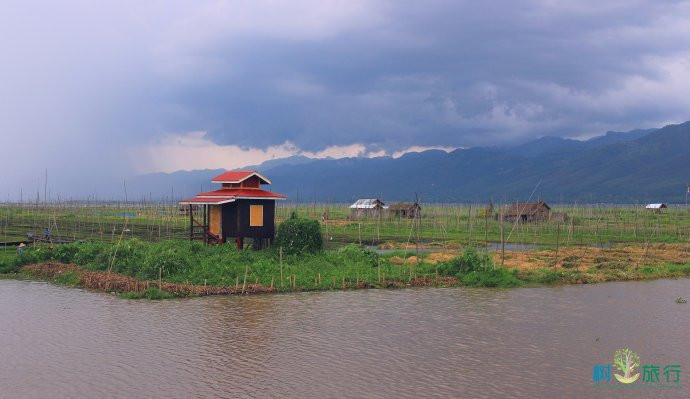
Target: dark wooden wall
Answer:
pixel 236 219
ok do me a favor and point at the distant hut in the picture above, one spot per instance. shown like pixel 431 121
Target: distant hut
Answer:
pixel 656 208
pixel 406 210
pixel 239 209
pixel 367 207
pixel 526 212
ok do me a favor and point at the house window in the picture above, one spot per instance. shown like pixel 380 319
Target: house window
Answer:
pixel 256 215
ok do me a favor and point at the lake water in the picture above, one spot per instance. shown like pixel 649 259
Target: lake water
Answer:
pixel 456 342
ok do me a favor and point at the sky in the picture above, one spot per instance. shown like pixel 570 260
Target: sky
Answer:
pixel 102 91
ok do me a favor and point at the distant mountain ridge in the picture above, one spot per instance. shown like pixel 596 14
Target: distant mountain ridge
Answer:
pixel 644 165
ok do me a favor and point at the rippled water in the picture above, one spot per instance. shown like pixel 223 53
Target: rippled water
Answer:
pixel 459 342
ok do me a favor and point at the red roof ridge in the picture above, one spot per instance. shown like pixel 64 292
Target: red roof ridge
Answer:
pixel 238 176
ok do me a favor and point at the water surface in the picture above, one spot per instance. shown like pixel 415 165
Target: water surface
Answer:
pixel 456 342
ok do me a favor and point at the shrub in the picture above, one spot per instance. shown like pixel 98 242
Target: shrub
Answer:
pixel 299 235
pixel 468 262
pixel 498 277
pixel 360 255
pixel 7 266
pixel 169 261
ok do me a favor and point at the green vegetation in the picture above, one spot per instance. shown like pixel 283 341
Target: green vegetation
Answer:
pixel 299 235
pixel 322 251
pixel 69 278
pixel 150 293
pixel 351 266
pixel 186 262
pixel 443 224
pixel 477 269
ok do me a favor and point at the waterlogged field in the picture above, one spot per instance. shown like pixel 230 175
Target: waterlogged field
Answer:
pixel 446 224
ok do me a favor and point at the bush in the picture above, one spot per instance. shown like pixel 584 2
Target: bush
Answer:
pixel 169 260
pixel 468 262
pixel 498 277
pixel 299 235
pixel 7 266
pixel 360 255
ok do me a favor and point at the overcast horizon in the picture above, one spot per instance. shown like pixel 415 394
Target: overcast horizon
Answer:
pixel 109 90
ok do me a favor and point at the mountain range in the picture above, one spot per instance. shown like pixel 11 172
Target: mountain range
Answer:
pixel 644 165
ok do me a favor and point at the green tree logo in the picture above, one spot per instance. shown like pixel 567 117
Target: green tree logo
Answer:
pixel 626 360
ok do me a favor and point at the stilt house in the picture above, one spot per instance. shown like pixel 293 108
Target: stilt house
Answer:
pixel 239 209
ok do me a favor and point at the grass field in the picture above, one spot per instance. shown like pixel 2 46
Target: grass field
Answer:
pixel 441 224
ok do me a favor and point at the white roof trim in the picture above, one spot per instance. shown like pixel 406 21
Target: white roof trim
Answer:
pixel 266 198
pixel 206 202
pixel 241 180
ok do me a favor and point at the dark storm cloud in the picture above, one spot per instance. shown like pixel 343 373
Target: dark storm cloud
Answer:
pixel 84 83
pixel 450 74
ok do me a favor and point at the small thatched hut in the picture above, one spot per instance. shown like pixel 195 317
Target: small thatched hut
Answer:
pixel 526 212
pixel 406 210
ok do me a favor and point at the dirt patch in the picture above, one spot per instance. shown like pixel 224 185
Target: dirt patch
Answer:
pixel 584 258
pixel 104 281
pixel 432 258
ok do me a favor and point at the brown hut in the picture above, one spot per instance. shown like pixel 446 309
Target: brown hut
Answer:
pixel 406 210
pixel 526 212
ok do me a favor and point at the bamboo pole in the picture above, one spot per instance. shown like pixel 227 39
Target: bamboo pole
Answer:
pixel 244 283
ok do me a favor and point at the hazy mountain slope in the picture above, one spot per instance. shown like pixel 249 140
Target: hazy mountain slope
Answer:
pixel 637 166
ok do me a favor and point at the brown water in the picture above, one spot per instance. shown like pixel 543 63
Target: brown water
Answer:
pixel 459 342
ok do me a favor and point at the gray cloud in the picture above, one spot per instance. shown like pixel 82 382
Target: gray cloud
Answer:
pixel 83 83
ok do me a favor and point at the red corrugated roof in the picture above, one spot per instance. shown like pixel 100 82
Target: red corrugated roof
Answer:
pixel 238 176
pixel 224 195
